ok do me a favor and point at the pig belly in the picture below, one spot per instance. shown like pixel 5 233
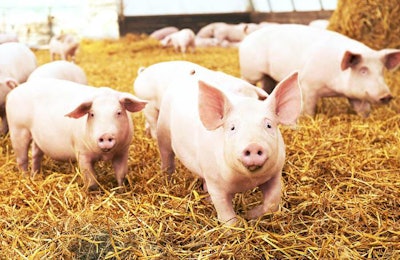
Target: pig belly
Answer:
pixel 54 142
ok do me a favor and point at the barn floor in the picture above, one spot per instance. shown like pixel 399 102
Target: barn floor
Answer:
pixel 341 186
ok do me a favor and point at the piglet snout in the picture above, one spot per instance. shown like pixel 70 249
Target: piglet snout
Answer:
pixel 254 156
pixel 106 142
pixel 386 99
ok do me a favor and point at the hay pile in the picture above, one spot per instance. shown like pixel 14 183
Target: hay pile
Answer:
pixel 341 192
pixel 376 23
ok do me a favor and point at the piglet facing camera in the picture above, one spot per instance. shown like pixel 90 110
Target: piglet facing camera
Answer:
pixel 69 121
pixel 231 141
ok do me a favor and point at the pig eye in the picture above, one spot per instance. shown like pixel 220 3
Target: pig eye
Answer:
pixel 119 113
pixel 232 127
pixel 269 126
pixel 91 114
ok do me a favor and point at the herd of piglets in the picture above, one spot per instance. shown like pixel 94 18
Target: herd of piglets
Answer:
pixel 222 128
pixel 213 34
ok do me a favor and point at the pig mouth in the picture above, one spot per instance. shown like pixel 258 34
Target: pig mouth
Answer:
pixel 106 150
pixel 253 168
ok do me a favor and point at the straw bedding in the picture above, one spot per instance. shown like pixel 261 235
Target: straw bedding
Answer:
pixel 341 192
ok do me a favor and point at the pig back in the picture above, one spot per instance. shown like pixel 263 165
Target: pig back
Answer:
pixel 155 79
pixel 60 69
pixel 16 61
pixel 277 50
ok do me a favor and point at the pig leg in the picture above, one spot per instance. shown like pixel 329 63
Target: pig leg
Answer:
pixel 192 47
pixel 271 197
pixel 151 114
pixel 205 186
pixel 183 48
pixel 86 165
pixel 309 103
pixel 267 83
pixel 165 147
pixel 223 204
pixel 120 165
pixel 167 155
pixel 21 139
pixel 4 124
pixel 37 156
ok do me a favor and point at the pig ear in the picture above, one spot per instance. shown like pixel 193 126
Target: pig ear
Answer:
pixel 250 91
pixel 391 59
pixel 286 100
pixel 132 103
pixel 213 105
pixel 10 82
pixel 350 60
pixel 81 110
pixel 262 94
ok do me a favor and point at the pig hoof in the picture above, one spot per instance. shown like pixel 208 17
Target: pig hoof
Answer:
pixel 260 210
pixel 93 187
pixel 255 212
pixel 230 222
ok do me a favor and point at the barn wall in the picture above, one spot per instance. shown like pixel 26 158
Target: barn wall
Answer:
pixel 36 21
pixel 148 24
pixel 303 17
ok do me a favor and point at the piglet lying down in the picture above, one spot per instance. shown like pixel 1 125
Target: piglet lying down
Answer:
pixel 70 121
pixel 231 141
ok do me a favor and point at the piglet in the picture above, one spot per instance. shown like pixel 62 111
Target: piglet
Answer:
pixel 69 121
pixel 182 40
pixel 224 32
pixel 60 69
pixel 163 32
pixel 153 81
pixel 230 141
pixel 64 45
pixel 8 37
pixel 17 62
pixel 330 65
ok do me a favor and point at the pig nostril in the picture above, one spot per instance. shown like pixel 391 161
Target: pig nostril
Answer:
pixel 386 99
pixel 247 153
pixel 101 140
pixel 260 153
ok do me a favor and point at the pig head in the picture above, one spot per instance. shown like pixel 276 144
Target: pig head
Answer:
pixel 365 79
pixel 108 132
